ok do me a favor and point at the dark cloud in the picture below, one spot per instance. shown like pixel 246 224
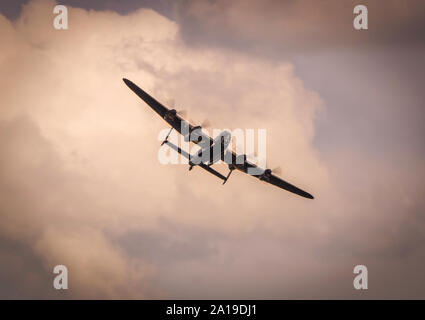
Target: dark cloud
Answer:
pixel 285 28
pixel 12 9
pixel 374 99
pixel 23 274
pixel 173 243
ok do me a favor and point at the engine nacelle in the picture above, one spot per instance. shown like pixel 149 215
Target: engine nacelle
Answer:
pixel 241 159
pixel 194 135
pixel 266 175
pixel 170 115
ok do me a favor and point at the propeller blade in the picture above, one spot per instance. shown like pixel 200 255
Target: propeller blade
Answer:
pixel 251 155
pixel 171 103
pixel 182 113
pixel 206 123
pixel 277 170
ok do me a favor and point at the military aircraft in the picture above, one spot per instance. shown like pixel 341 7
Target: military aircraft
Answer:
pixel 214 148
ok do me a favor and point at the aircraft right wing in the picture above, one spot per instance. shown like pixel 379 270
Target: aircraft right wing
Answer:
pixel 267 176
pixel 202 165
pixel 289 187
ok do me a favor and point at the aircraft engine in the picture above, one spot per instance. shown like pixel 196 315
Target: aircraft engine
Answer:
pixel 266 175
pixel 170 115
pixel 194 135
pixel 241 159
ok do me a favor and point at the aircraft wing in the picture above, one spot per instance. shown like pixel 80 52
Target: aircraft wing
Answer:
pixel 272 179
pixel 211 170
pixel 202 165
pixel 154 104
pixel 178 149
pixel 289 187
pixel 177 122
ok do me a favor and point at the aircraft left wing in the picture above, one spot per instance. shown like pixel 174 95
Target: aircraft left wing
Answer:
pixel 202 165
pixel 169 115
pixel 154 104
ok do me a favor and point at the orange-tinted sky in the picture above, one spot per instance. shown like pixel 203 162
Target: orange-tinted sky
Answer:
pixel 81 185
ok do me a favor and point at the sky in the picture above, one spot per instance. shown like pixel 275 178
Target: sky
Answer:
pixel 81 184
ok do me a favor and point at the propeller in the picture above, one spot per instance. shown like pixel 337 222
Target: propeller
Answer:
pixel 277 170
pixel 206 123
pixel 171 103
pixel 251 155
pixel 182 113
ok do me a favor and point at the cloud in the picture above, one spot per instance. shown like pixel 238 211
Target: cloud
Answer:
pixel 282 28
pixel 81 184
